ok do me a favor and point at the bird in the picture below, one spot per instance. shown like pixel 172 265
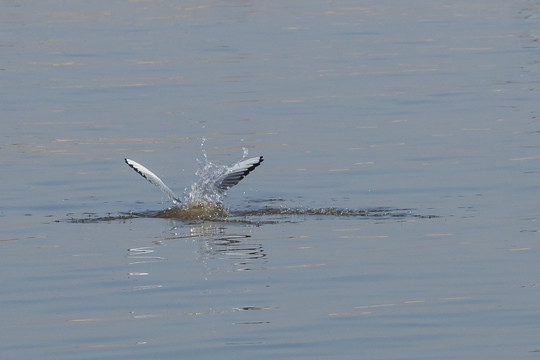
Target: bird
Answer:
pixel 214 180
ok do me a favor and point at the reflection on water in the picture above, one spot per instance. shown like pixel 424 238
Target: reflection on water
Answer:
pixel 217 252
pixel 243 255
pixel 216 244
pixel 143 255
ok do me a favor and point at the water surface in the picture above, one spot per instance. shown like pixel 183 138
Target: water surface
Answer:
pixel 395 215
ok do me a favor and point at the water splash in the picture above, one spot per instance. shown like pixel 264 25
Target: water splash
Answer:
pixel 203 191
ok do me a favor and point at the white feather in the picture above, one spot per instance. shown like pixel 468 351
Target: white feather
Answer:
pixel 153 179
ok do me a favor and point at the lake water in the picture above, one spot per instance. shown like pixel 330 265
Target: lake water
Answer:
pixel 396 214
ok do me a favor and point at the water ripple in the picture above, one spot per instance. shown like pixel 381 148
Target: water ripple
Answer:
pixel 264 215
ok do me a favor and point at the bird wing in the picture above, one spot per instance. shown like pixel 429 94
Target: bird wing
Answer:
pixel 237 172
pixel 153 179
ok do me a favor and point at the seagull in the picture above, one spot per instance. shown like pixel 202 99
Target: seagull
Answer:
pixel 213 183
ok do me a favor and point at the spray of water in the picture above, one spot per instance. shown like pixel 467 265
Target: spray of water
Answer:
pixel 202 201
pixel 203 192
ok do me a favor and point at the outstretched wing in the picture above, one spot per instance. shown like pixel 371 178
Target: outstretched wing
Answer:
pixel 153 179
pixel 237 172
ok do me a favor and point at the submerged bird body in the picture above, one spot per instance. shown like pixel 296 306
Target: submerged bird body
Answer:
pixel 208 191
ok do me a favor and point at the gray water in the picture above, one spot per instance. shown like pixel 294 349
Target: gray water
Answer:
pixel 395 216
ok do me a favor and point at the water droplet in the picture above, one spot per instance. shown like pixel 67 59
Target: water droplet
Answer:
pixel 203 140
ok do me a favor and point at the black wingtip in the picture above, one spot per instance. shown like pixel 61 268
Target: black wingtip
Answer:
pixel 126 160
pixel 252 167
pixel 135 168
pixel 261 159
